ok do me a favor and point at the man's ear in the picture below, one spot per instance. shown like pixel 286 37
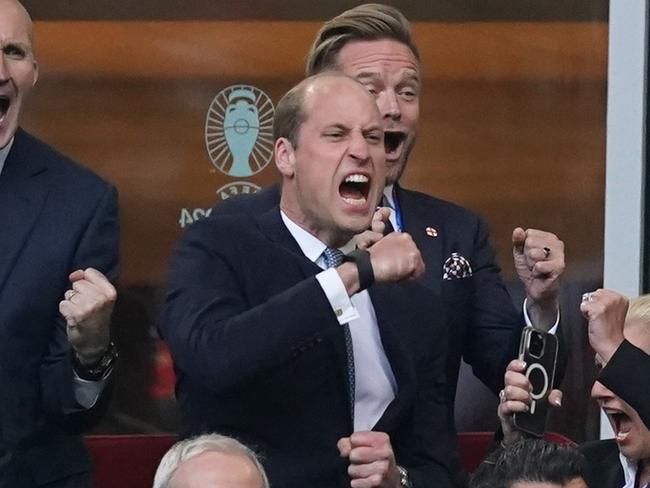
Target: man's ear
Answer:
pixel 35 73
pixel 285 157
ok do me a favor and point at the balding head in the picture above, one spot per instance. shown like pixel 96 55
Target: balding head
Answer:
pixel 18 67
pixel 329 150
pixel 19 13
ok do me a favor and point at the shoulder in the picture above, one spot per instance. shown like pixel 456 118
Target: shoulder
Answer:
pixel 221 231
pixel 443 209
pixel 251 204
pixel 63 172
pixel 598 451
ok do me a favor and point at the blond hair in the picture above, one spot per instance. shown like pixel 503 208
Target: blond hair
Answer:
pixel 365 22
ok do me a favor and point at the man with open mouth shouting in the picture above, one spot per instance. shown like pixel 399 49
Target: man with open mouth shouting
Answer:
pixel 58 243
pixel 372 43
pixel 327 359
pixel 621 340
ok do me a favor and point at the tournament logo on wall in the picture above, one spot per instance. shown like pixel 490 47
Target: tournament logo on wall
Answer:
pixel 239 131
pixel 239 141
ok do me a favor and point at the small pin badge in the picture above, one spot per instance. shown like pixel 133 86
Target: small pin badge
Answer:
pixel 431 232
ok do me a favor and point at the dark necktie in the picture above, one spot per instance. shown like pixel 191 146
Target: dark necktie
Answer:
pixel 333 258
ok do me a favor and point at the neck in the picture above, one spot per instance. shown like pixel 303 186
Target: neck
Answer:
pixel 329 237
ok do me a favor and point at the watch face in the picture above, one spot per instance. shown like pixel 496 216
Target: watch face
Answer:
pixel 403 477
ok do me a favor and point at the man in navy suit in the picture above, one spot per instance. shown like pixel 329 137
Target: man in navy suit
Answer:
pixel 372 43
pixel 278 334
pixel 58 238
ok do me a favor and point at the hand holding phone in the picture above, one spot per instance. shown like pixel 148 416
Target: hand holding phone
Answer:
pixel 539 350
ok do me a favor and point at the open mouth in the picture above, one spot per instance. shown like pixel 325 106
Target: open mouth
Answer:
pixel 393 142
pixel 5 102
pixel 355 188
pixel 621 423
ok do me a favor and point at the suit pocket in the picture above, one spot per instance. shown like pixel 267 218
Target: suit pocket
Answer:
pixel 458 290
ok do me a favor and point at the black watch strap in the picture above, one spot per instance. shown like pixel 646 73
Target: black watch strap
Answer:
pixel 100 369
pixel 361 258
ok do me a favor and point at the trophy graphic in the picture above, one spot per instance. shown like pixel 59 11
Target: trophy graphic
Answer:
pixel 238 130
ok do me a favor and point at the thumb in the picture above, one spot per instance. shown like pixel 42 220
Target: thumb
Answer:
pixel 555 398
pixel 518 240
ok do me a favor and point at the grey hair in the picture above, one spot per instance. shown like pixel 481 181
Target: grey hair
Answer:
pixel 189 448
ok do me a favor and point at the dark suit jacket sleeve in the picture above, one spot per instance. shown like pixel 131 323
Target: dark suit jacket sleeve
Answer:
pixel 627 374
pixel 493 340
pixel 430 466
pixel 97 248
pixel 222 337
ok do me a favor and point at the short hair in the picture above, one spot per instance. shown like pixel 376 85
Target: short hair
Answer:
pixel 530 460
pixel 365 22
pixel 192 447
pixel 290 112
pixel 640 308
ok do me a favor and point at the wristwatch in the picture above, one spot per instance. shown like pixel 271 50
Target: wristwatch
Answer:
pixel 404 479
pixel 100 369
pixel 361 258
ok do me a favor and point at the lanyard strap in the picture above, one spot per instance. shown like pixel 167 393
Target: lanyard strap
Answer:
pixel 398 212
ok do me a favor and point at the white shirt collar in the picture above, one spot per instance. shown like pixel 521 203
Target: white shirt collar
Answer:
pixel 4 152
pixel 388 196
pixel 310 245
pixel 629 471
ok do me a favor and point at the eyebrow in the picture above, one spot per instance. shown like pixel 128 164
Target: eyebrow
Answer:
pixel 410 75
pixel 22 45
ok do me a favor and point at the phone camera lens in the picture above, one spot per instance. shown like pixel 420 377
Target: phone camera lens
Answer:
pixel 536 347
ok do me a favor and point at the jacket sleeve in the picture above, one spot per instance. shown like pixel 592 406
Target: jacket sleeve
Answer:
pixel 624 374
pixel 98 247
pixel 216 322
pixel 496 325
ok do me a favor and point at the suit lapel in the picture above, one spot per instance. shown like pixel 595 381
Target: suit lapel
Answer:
pixel 271 225
pixel 383 297
pixel 416 221
pixel 22 197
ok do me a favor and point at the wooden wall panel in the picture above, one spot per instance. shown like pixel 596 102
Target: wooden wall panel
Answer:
pixel 512 125
pixel 512 119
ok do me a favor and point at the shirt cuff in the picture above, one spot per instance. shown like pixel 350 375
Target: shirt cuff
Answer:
pixel 529 323
pixel 87 392
pixel 337 295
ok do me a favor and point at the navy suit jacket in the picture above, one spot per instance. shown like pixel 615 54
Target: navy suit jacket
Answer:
pixel 260 355
pixel 56 216
pixel 604 468
pixel 484 326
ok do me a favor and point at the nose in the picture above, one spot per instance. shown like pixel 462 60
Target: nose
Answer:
pixel 359 147
pixel 4 71
pixel 600 391
pixel 388 105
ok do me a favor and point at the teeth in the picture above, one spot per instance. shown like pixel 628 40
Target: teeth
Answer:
pixel 355 201
pixel 356 179
pixel 621 436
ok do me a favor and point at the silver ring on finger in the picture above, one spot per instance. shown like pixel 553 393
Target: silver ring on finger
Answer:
pixel 588 297
pixel 502 396
pixel 70 293
pixel 547 251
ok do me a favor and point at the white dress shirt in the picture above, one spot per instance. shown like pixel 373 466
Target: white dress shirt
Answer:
pixel 630 470
pixel 375 385
pixel 4 152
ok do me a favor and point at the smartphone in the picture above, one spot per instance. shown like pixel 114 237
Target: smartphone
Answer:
pixel 539 350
